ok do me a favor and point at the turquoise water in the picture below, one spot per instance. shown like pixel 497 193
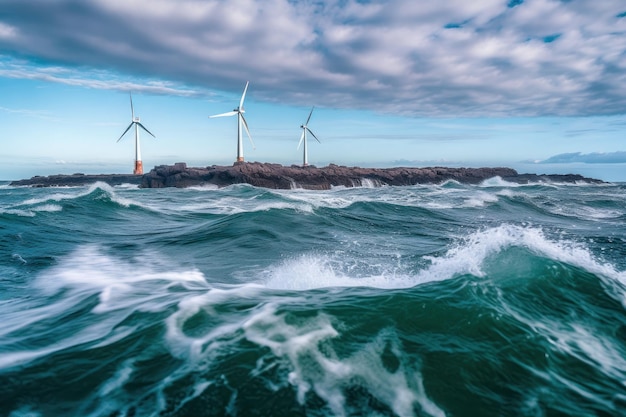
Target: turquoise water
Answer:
pixel 442 300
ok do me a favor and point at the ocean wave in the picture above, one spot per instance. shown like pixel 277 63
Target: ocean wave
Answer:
pixel 469 256
pixel 51 201
pixel 206 187
pixel 499 182
pixel 271 337
pixel 422 300
pixel 120 287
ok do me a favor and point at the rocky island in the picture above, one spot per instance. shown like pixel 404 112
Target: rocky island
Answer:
pixel 277 176
pixel 75 180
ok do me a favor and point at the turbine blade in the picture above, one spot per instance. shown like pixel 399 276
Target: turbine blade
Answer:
pixel 127 129
pixel 309 118
pixel 301 139
pixel 144 128
pixel 243 95
pixel 245 124
pixel 132 110
pixel 311 132
pixel 230 113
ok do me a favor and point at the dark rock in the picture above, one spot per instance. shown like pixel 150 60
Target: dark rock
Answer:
pixel 79 179
pixel 310 177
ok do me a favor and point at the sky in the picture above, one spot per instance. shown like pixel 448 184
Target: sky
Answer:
pixel 536 85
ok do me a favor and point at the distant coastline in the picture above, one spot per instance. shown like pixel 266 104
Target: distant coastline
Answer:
pixel 276 176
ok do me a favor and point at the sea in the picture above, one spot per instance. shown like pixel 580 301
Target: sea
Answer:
pixel 495 299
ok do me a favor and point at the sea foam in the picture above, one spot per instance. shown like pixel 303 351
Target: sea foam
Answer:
pixel 467 256
pixel 312 368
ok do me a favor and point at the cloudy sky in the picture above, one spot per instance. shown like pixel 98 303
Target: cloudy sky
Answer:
pixel 539 85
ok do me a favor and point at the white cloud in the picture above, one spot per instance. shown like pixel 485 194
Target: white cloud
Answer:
pixel 7 31
pixel 452 58
pixel 98 79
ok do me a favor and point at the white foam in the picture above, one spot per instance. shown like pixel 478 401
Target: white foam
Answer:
pixel 90 269
pixel 575 340
pixel 342 197
pixel 507 192
pixel 480 199
pixel 87 334
pixel 309 271
pixel 32 212
pixel 19 258
pixel 89 265
pixel 497 181
pixel 122 287
pixel 426 196
pixel 468 256
pixel 449 183
pixel 121 376
pixel 369 183
pixel 17 212
pixel 127 186
pixel 115 197
pixel 597 350
pixel 72 194
pixel 232 205
pixel 68 196
pixel 48 208
pixel 319 199
pixel 204 187
pixel 321 371
pixel 196 348
pixel 588 213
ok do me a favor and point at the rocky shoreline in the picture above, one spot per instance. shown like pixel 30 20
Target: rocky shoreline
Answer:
pixel 75 180
pixel 277 176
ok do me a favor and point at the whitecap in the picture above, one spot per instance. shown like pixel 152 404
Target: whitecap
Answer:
pixel 480 199
pixel 48 208
pixel 310 271
pixel 467 256
pixel 127 186
pixel 204 187
pixel 497 181
pixel 18 212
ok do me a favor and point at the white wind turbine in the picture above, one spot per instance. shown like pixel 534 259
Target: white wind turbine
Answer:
pixel 137 123
pixel 239 111
pixel 305 128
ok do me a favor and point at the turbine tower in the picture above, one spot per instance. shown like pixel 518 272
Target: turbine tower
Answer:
pixel 239 111
pixel 134 121
pixel 305 128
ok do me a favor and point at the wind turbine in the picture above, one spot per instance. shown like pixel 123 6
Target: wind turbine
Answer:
pixel 134 121
pixel 305 128
pixel 239 111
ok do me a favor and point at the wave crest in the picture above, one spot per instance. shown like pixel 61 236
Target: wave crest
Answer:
pixel 470 255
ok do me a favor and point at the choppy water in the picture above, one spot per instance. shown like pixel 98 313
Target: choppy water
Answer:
pixel 447 300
